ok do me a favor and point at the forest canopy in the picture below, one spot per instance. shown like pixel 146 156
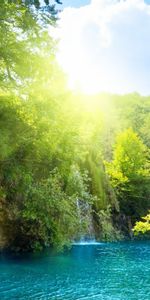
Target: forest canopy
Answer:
pixel 66 159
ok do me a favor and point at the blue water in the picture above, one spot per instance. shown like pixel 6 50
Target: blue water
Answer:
pixel 118 271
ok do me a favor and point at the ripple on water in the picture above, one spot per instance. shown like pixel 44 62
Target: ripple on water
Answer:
pixel 117 271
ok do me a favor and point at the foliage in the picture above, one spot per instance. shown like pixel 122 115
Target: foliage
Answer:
pixel 130 158
pixel 129 173
pixel 25 43
pixel 50 212
pixel 59 149
pixel 108 231
pixel 142 226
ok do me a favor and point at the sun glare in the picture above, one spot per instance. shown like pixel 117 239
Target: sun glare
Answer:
pixel 85 79
pixel 99 50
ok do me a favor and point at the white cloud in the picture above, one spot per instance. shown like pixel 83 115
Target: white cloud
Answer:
pixel 105 46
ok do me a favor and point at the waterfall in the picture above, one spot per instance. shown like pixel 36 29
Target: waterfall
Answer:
pixel 85 216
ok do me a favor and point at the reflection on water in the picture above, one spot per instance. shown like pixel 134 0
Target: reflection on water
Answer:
pixel 113 271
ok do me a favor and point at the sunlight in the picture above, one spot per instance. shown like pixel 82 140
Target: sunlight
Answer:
pixel 74 162
pixel 81 79
pixel 88 84
pixel 99 50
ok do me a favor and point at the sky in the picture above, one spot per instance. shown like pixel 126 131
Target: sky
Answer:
pixel 75 3
pixel 104 45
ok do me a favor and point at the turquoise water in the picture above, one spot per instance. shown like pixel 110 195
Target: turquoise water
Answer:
pixel 118 271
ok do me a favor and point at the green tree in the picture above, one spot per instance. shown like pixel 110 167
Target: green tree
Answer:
pixel 142 226
pixel 25 42
pixel 129 173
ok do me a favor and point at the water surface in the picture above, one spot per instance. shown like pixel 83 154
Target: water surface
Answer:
pixel 113 271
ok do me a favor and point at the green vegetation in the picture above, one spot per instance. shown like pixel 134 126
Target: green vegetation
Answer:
pixel 57 148
pixel 129 173
pixel 142 226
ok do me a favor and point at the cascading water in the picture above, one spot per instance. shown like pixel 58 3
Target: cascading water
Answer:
pixel 85 216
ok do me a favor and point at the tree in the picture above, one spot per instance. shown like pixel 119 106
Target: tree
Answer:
pixel 129 173
pixel 142 226
pixel 24 41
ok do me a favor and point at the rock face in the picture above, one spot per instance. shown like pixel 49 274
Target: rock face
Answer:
pixel 3 224
pixel 3 241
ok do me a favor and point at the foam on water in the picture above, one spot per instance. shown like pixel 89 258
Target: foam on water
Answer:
pixel 87 243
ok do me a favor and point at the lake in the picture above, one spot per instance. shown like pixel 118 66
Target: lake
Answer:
pixel 109 271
